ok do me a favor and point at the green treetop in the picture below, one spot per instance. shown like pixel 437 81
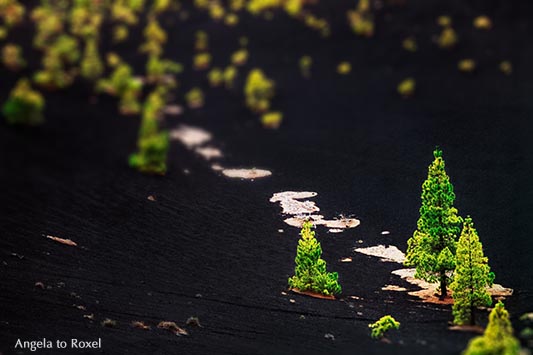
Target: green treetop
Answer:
pixel 310 271
pixel 498 338
pixel 431 249
pixel 472 276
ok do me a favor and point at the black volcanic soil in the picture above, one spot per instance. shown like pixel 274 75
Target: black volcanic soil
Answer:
pixel 209 246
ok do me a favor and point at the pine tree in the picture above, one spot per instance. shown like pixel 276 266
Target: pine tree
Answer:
pixel 431 249
pixel 153 143
pixel 310 271
pixel 472 276
pixel 24 106
pixel 91 64
pixel 498 338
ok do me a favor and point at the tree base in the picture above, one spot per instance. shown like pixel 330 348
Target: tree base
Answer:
pixel 313 294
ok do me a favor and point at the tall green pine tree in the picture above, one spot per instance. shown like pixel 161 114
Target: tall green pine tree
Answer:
pixel 310 271
pixel 471 278
pixel 431 249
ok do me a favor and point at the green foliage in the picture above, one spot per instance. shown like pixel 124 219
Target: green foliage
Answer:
pixel 310 271
pixel 498 338
pixel 383 325
pixel 24 105
pixel 472 276
pixel 431 249
pixel 153 143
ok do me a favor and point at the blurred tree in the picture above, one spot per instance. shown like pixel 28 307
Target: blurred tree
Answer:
pixel 498 338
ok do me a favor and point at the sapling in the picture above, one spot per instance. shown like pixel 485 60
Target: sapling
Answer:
pixel 152 143
pixel 12 57
pixel 431 249
pixel 447 38
pixel 239 57
pixel 406 88
pixel 229 74
pixel 305 66
pixel 201 61
pixel 472 276
pixel 91 64
pixel 506 67
pixel 12 12
pixel 195 98
pixel 258 91
pixel 24 105
pixel 482 22
pixel 310 272
pixel 271 119
pixel 201 43
pixel 157 69
pixel 467 65
pixel 215 77
pixel 361 19
pixel 344 68
pixel 498 338
pixel 383 325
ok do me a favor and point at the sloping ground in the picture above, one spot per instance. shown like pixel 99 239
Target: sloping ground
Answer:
pixel 209 246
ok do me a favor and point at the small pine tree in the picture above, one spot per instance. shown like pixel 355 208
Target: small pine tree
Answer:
pixel 24 105
pixel 472 276
pixel 383 325
pixel 431 249
pixel 153 143
pixel 498 338
pixel 310 271
pixel 91 64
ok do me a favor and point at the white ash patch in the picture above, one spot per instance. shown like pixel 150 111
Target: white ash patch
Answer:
pixel 302 211
pixel 335 230
pixel 390 253
pixel 249 174
pixel 190 136
pixel 295 195
pixel 393 288
pixel 209 152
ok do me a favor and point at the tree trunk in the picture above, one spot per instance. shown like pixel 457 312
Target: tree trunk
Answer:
pixel 472 317
pixel 443 290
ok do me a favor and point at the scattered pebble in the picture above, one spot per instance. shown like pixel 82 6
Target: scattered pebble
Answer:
pixel 193 321
pixel 140 325
pixel 40 285
pixel 109 323
pixel 151 198
pixel 173 327
pixel 292 300
pixel 385 232
pixel 62 241
pixel 346 260
pixel 329 336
